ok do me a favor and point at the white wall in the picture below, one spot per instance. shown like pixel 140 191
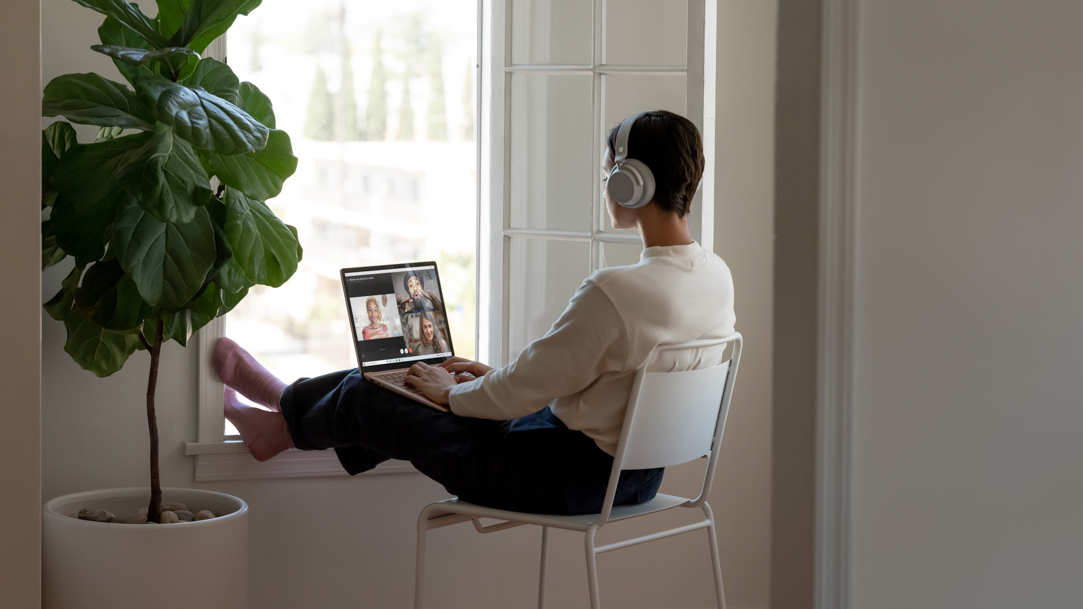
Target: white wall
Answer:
pixel 967 485
pixel 20 361
pixel 337 542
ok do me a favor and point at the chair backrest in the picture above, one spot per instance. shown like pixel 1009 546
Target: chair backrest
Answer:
pixel 676 417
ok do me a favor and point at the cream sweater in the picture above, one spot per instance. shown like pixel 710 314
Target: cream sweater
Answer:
pixel 585 365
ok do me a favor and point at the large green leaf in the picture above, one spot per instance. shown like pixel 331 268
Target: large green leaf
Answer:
pixel 114 33
pixel 169 262
pixel 232 278
pixel 108 133
pixel 59 136
pixel 87 173
pixel 56 139
pixel 207 121
pixel 259 174
pixel 82 229
pixel 129 15
pixel 206 20
pixel 174 58
pixel 223 252
pixel 96 349
pixel 263 246
pixel 99 278
pixel 178 325
pixel 89 99
pixel 121 308
pixel 171 15
pixel 216 78
pixel 166 177
pixel 51 253
pixel 226 273
pixel 59 305
pixel 213 302
pixel 256 103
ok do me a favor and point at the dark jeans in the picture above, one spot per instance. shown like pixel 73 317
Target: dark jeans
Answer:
pixel 531 464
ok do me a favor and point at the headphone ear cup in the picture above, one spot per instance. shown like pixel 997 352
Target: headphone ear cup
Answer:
pixel 634 186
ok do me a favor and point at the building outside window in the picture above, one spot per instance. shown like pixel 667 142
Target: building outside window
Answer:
pixel 379 100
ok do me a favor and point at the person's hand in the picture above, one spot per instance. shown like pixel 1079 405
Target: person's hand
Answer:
pixel 459 365
pixel 436 304
pixel 433 381
pixel 405 304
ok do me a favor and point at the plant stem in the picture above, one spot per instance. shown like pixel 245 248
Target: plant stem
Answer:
pixel 154 509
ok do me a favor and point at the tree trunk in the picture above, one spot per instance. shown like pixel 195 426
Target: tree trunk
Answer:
pixel 154 509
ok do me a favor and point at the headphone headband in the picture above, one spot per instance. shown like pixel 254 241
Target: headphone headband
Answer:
pixel 623 132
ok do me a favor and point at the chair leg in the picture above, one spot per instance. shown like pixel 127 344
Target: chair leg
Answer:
pixel 544 561
pixel 712 541
pixel 592 569
pixel 419 569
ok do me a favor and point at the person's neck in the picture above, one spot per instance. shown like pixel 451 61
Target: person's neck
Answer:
pixel 662 229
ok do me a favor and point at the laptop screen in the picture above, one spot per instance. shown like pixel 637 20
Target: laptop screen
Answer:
pixel 397 315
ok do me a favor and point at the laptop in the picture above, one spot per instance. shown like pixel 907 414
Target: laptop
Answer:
pixel 398 318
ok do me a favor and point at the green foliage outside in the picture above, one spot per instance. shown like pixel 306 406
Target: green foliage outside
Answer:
pixel 346 102
pixel 376 112
pixel 158 250
pixel 437 115
pixel 320 115
pixel 406 110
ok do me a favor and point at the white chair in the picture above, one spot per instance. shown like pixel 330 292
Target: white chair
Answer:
pixel 672 418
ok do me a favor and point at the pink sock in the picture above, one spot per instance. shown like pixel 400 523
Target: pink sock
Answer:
pixel 264 432
pixel 239 370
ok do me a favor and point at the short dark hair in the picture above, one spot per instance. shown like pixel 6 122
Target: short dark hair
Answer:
pixel 671 146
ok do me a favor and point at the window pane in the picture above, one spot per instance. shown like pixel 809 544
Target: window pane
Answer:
pixel 646 32
pixel 551 160
pixel 551 32
pixel 620 254
pixel 624 94
pixel 378 98
pixel 542 278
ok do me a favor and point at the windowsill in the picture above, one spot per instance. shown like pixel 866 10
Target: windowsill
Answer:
pixel 230 460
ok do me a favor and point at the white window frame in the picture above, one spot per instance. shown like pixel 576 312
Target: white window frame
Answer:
pixel 218 458
pixel 494 253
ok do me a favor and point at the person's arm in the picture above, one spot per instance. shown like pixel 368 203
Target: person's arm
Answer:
pixel 587 341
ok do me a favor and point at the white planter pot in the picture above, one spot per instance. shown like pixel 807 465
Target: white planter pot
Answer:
pixel 191 565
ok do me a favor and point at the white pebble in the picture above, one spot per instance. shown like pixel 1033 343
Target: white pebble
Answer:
pixel 173 506
pixel 95 515
pixel 142 511
pixel 185 515
pixel 205 515
pixel 136 519
pixel 168 517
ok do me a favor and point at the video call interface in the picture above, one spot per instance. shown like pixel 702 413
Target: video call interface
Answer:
pixel 398 315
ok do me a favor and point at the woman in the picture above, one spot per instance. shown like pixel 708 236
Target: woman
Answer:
pixel 540 433
pixel 432 340
pixel 376 328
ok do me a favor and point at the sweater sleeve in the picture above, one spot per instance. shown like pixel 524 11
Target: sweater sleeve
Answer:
pixel 587 341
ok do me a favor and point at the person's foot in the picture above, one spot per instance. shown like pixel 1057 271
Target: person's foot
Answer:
pixel 239 370
pixel 264 433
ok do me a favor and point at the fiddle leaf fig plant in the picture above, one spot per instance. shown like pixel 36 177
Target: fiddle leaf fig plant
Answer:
pixel 165 213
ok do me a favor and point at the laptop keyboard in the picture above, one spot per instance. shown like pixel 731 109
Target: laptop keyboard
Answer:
pixel 395 377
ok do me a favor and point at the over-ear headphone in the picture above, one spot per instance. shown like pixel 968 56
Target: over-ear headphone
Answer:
pixel 631 183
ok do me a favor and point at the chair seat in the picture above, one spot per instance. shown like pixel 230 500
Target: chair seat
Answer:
pixel 579 522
